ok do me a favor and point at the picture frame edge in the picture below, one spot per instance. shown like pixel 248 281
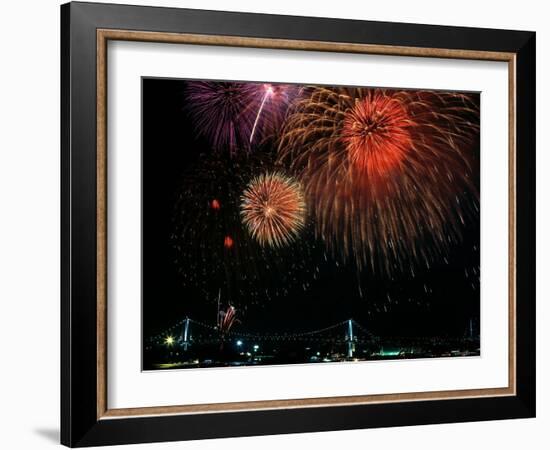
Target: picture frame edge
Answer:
pixel 82 423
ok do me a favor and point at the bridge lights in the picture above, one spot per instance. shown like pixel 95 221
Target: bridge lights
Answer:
pixel 256 347
pixel 239 343
pixel 169 341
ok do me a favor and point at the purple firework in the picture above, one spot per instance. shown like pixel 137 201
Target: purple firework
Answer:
pixel 274 100
pixel 234 116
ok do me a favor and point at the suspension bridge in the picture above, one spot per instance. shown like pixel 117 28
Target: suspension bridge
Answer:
pixel 192 343
pixel 188 332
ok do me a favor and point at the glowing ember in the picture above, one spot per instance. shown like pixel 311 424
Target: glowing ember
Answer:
pixel 228 242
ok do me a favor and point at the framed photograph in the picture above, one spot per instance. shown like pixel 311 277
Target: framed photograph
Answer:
pixel 276 224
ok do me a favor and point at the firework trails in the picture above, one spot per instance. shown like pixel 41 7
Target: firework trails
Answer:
pixel 386 171
pixel 233 116
pixel 273 209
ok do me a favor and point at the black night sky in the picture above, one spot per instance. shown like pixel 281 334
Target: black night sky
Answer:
pixel 437 301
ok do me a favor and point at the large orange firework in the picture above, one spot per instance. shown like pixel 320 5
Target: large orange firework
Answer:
pixel 273 209
pixel 389 174
pixel 375 133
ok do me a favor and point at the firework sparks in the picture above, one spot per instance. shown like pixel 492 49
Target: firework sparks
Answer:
pixel 231 115
pixel 227 319
pixel 375 134
pixel 218 111
pixel 215 252
pixel 268 93
pixel 273 209
pixel 274 101
pixel 386 171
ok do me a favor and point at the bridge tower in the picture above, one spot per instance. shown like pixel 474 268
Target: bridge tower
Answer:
pixel 186 342
pixel 350 338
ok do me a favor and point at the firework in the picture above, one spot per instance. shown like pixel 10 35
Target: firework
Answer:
pixel 375 134
pixel 219 114
pixel 388 173
pixel 227 319
pixel 232 116
pixel 214 251
pixel 275 101
pixel 273 209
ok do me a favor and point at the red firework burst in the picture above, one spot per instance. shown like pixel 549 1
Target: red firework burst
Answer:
pixel 227 319
pixel 376 134
pixel 390 174
pixel 273 209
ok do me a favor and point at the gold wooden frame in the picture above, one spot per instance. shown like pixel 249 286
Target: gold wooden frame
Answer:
pixel 103 36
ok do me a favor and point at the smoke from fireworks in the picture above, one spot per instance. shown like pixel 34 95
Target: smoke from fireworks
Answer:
pixel 388 173
pixel 233 116
pixel 273 209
